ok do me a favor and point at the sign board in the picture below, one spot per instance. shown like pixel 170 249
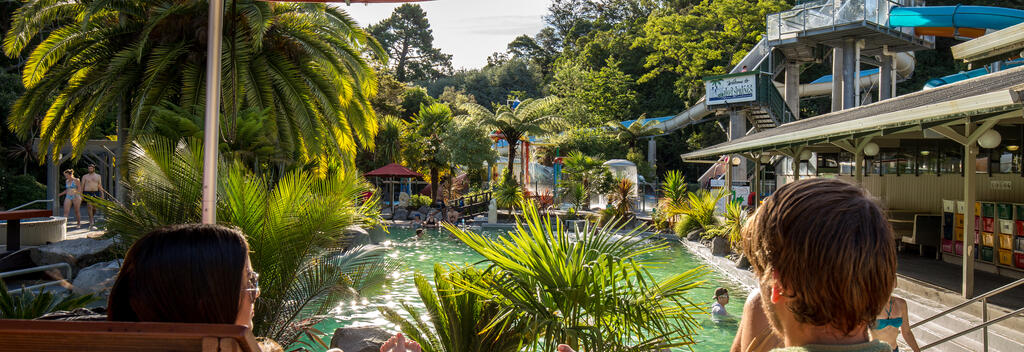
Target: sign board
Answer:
pixel 734 88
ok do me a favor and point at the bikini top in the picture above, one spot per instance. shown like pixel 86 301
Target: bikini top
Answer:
pixel 71 184
pixel 889 321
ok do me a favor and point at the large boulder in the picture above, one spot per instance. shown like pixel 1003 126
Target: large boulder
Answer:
pixel 414 214
pixel 97 279
pixel 378 234
pixel 359 339
pixel 80 253
pixel 719 246
pixel 401 214
pixel 743 262
pixel 356 235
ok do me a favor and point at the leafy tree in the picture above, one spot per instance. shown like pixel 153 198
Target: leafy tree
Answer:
pixel 491 84
pixel 90 59
pixel 456 98
pixel 295 228
pixel 635 131
pixel 413 98
pixel 389 98
pixel 410 43
pixel 706 40
pixel 594 98
pixel 468 144
pixel 529 117
pixel 586 173
pixel 597 142
pixel 431 124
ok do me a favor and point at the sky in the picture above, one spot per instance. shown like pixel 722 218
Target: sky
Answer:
pixel 470 30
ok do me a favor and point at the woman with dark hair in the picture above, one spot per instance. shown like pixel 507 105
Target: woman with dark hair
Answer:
pixel 186 274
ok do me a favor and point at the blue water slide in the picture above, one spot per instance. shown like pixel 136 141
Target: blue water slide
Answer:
pixel 957 77
pixel 955 17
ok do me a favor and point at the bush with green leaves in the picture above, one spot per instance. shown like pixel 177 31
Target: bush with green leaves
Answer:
pixel 295 226
pixel 30 305
pixel 507 194
pixel 685 225
pixel 732 228
pixel 700 207
pixel 588 289
pixel 20 189
pixel 457 319
pixel 417 200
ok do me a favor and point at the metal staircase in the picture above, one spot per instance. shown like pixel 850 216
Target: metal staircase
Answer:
pixel 985 323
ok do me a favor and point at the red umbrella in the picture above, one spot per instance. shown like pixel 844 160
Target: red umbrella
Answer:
pixel 393 170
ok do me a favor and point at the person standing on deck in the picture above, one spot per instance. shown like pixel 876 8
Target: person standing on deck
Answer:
pixel 92 184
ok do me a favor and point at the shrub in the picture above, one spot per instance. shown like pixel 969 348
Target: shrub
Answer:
pixel 417 200
pixel 507 194
pixel 29 305
pixel 685 225
pixel 20 189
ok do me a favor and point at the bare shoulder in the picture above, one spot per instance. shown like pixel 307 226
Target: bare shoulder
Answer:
pixel 899 302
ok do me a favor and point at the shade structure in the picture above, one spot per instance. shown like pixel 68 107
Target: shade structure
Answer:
pixel 393 170
pixel 352 1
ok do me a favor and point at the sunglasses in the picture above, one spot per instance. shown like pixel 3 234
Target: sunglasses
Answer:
pixel 254 286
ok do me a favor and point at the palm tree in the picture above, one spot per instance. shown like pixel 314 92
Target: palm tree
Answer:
pixel 634 132
pixel 89 59
pixel 529 117
pixel 430 123
pixel 388 141
pixel 589 289
pixel 295 228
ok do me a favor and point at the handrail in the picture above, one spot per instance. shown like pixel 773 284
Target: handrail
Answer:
pixel 30 203
pixel 984 316
pixel 972 300
pixel 37 269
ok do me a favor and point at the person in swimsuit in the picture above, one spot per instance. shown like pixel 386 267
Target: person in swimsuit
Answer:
pixel 92 184
pixel 893 321
pixel 72 196
pixel 718 311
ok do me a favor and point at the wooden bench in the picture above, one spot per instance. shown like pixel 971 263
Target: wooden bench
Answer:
pixel 915 227
pixel 39 335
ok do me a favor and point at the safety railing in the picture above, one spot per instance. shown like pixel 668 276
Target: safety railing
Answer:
pixel 985 322
pixel 65 266
pixel 831 13
pixel 30 203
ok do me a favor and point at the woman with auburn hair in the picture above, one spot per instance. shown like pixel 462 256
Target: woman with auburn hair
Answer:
pixel 186 274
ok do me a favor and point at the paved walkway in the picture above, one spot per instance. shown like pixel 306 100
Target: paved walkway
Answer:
pixel 948 276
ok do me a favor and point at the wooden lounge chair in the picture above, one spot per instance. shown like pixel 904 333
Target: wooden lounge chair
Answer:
pixel 38 335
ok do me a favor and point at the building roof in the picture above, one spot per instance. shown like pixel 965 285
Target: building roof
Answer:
pixel 393 170
pixel 1002 44
pixel 993 93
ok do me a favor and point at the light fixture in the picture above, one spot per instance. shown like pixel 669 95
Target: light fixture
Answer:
pixel 871 149
pixel 735 160
pixel 925 152
pixel 805 155
pixel 1012 148
pixel 990 139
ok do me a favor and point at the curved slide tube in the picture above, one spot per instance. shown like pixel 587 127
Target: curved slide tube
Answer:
pixel 952 17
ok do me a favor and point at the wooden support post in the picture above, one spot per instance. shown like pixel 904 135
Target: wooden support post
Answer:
pixel 970 156
pixel 728 173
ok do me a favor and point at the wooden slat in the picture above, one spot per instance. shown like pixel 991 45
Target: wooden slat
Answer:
pixel 25 214
pixel 31 335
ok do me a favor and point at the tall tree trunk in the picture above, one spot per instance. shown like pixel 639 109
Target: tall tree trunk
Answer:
pixel 433 183
pixel 122 142
pixel 511 159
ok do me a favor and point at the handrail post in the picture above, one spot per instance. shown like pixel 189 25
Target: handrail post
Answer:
pixel 984 320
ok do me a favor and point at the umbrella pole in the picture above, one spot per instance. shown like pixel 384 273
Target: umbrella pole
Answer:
pixel 212 125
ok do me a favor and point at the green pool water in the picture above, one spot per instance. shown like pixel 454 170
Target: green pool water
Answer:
pixel 436 247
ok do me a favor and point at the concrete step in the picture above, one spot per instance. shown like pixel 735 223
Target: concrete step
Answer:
pixel 1001 337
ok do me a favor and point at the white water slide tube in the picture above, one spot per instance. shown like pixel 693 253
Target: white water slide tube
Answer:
pixel 902 62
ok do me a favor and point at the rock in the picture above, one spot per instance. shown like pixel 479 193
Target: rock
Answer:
pixel 743 262
pixel 79 253
pixel 97 279
pixel 356 235
pixel 424 210
pixel 401 214
pixel 378 234
pixel 359 339
pixel 695 235
pixel 719 246
pixel 414 214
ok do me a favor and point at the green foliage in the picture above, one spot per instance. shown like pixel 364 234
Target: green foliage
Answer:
pixel 638 129
pixel 584 173
pixel 20 189
pixel 660 221
pixel 507 193
pixel 458 317
pixel 674 190
pixel 700 207
pixel 491 84
pixel 409 41
pixel 592 290
pixel 621 198
pixel 685 225
pixel 418 200
pixel 530 117
pixel 596 142
pixel 295 227
pixel 468 144
pixel 732 228
pixel 575 193
pixel 413 98
pixel 29 305
pixel 89 61
pixel 593 97
pixel 708 39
